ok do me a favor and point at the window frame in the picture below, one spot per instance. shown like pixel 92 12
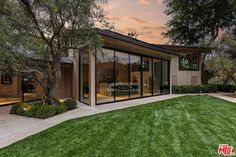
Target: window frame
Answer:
pixel 198 63
pixel 141 56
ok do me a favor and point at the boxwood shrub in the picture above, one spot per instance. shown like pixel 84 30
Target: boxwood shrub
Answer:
pixel 227 88
pixel 42 111
pixel 70 104
pixel 45 111
pixel 203 89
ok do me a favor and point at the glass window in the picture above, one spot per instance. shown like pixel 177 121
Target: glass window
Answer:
pixel 105 76
pixel 84 77
pixel 188 62
pixel 135 76
pixel 147 76
pixel 156 76
pixel 121 76
pixel 165 77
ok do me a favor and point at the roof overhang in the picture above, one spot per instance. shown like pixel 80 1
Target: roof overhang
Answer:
pixel 118 41
pixel 185 50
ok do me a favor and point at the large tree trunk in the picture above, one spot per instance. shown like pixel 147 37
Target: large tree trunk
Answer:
pixel 49 91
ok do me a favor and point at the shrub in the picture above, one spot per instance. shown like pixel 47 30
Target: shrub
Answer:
pixel 203 89
pixel 14 108
pixel 194 89
pixel 70 104
pixel 23 108
pixel 60 109
pixel 32 110
pixel 227 88
pixel 58 101
pixel 45 111
pixel 40 110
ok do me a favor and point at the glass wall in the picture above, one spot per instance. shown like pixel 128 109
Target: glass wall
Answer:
pixel 105 76
pixel 189 62
pixel 147 76
pixel 121 76
pixel 156 77
pixel 165 77
pixel 84 77
pixel 135 76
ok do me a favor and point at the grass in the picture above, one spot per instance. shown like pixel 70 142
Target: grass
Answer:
pixel 186 126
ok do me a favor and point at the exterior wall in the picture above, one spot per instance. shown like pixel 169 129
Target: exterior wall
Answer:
pixel 183 77
pixel 75 75
pixel 64 87
pixel 13 89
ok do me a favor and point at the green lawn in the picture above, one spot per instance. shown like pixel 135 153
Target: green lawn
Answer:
pixel 185 126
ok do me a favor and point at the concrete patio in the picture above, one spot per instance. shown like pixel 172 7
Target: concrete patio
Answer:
pixel 14 128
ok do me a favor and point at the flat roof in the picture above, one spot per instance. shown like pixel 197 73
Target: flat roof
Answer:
pixel 175 50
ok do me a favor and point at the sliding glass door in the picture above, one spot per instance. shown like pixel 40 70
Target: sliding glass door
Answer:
pixel 156 77
pixel 84 77
pixel 135 76
pixel 122 76
pixel 165 77
pixel 105 73
pixel 147 76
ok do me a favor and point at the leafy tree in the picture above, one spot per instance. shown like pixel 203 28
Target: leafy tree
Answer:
pixel 192 21
pixel 222 63
pixel 35 35
pixel 200 23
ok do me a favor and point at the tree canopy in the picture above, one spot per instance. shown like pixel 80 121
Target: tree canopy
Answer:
pixel 192 21
pixel 35 35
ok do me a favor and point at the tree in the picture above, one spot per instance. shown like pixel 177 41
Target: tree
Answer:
pixel 193 21
pixel 200 23
pixel 223 60
pixel 133 35
pixel 35 35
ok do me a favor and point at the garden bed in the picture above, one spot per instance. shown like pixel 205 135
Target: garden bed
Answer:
pixel 41 110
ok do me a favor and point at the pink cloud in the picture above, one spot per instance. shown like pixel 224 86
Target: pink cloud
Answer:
pixel 159 1
pixel 113 18
pixel 145 2
pixel 136 19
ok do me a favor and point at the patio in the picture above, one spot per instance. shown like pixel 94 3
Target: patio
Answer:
pixel 14 128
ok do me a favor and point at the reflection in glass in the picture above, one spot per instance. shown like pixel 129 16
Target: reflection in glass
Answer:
pixel 121 75
pixel 105 76
pixel 147 76
pixel 84 77
pixel 135 76
pixel 156 76
pixel 165 77
pixel 31 90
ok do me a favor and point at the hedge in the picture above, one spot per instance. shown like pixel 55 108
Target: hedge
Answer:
pixel 42 111
pixel 203 89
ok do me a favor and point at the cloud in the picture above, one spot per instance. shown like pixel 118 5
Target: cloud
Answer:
pixel 146 27
pixel 162 28
pixel 113 18
pixel 136 19
pixel 151 14
pixel 145 2
pixel 159 1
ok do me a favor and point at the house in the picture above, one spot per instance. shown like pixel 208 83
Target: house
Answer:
pixel 124 68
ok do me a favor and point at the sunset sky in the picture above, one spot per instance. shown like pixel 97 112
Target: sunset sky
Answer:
pixel 145 17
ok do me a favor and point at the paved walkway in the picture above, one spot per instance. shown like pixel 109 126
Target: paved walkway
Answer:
pixel 14 128
pixel 224 96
